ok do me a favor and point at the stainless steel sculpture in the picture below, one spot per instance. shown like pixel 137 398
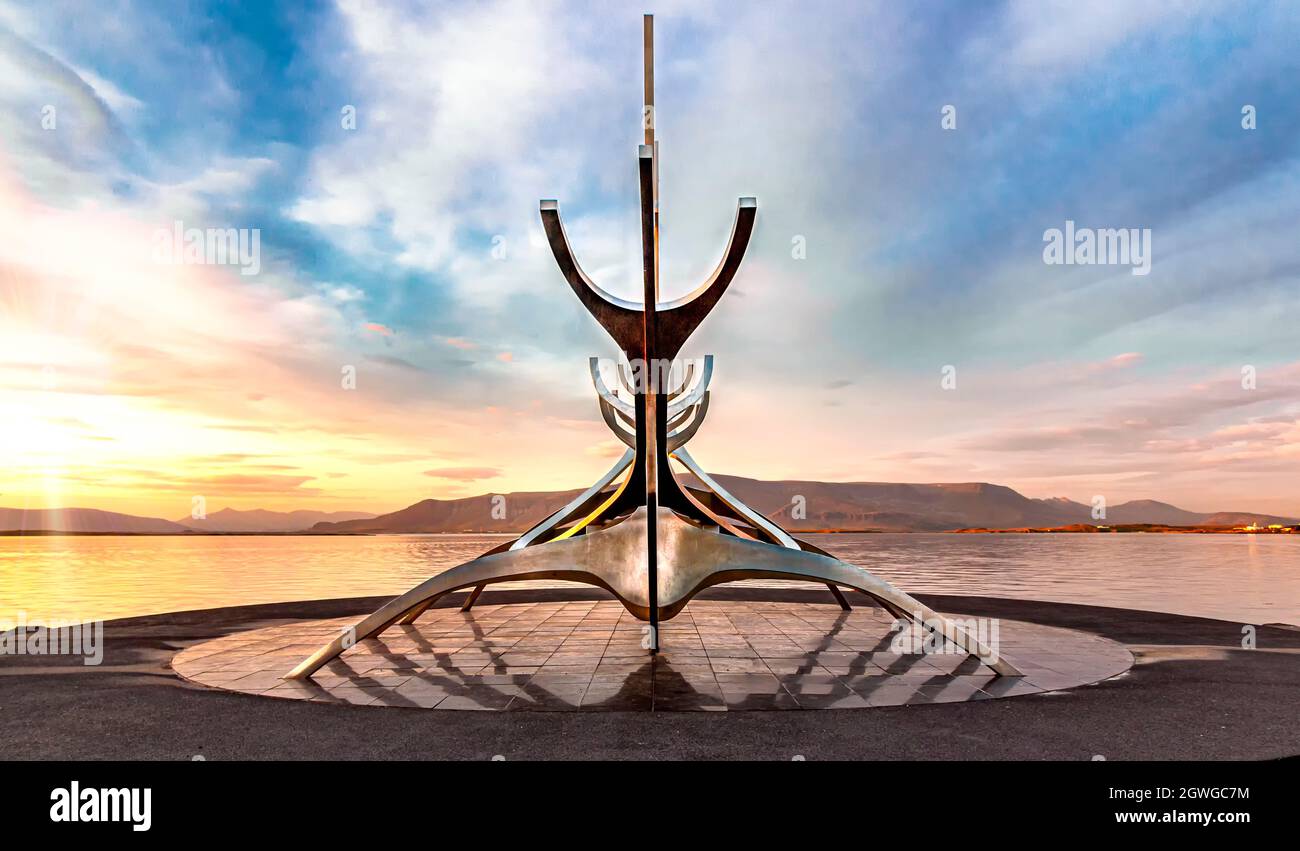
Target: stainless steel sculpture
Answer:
pixel 641 532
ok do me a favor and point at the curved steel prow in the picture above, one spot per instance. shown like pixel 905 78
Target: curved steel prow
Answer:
pixel 677 319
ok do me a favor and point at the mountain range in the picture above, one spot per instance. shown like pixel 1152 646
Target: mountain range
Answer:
pixel 89 521
pixel 839 506
pixel 797 505
pixel 261 520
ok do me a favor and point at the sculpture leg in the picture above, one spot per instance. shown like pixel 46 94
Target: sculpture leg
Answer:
pixel 692 559
pixel 758 521
pixel 414 614
pixel 581 504
pixel 599 559
pixel 473 597
pixel 905 607
pixel 697 559
pixel 409 606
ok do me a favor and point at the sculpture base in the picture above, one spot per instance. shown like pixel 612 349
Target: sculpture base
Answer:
pixel 690 560
pixel 589 655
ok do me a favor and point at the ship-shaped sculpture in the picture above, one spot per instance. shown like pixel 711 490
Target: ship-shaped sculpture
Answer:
pixel 644 532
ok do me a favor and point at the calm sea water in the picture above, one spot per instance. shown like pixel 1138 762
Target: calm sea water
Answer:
pixel 1242 578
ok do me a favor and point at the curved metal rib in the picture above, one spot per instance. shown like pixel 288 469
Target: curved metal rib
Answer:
pixel 624 408
pixel 679 418
pixel 578 503
pixel 608 395
pixel 605 393
pixel 751 516
pixel 620 318
pixel 625 376
pixel 679 318
pixel 686 381
pixel 610 416
pixel 678 439
pixel 598 511
pixel 774 533
pixel 696 392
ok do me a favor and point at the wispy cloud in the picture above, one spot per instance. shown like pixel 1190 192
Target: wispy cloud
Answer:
pixel 403 254
pixel 464 474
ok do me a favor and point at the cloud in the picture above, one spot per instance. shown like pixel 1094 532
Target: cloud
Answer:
pixel 424 77
pixel 606 449
pixel 399 363
pixel 1039 36
pixel 1148 426
pixel 244 484
pixel 923 245
pixel 464 474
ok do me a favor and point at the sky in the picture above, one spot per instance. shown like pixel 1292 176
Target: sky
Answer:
pixel 894 318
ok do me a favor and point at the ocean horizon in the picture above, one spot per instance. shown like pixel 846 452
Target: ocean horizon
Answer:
pixel 1241 578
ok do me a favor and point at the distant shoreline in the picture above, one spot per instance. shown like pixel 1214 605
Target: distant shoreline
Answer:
pixel 1129 529
pixel 1077 529
pixel 55 533
pixel 838 508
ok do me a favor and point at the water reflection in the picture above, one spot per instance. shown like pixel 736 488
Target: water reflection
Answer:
pixel 1240 578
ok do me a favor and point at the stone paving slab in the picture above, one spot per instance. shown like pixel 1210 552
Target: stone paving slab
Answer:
pixel 587 656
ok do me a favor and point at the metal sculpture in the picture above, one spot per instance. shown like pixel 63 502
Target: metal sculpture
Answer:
pixel 642 533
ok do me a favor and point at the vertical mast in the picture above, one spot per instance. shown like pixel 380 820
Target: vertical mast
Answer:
pixel 648 37
pixel 648 120
pixel 650 419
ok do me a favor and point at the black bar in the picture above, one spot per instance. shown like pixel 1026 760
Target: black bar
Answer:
pixel 1000 802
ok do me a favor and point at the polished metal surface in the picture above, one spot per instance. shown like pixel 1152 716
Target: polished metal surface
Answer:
pixel 678 318
pixel 602 390
pixel 687 394
pixel 677 439
pixel 580 503
pixel 690 393
pixel 614 558
pixel 775 532
pixel 639 532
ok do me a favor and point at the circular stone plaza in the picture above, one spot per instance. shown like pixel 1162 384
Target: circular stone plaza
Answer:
pixel 590 655
pixel 743 672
